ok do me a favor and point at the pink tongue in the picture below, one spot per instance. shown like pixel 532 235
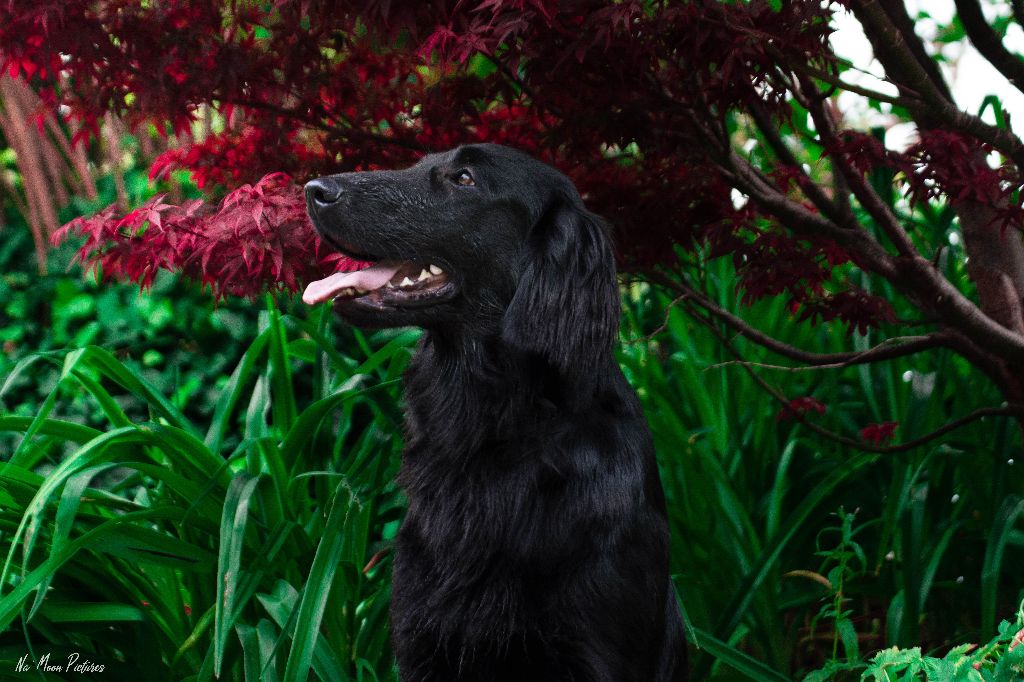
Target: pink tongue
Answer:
pixel 371 278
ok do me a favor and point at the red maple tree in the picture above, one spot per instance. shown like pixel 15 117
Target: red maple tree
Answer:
pixel 700 129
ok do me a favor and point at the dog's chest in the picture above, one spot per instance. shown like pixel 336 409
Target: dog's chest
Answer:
pixel 502 501
pixel 492 546
pixel 510 500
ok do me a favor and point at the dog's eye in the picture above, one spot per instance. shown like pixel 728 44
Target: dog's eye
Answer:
pixel 464 178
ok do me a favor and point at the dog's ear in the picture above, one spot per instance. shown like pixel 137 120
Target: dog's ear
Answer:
pixel 566 306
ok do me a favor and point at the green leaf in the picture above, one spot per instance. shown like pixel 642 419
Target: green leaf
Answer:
pixel 1009 512
pixel 232 542
pixel 67 509
pixel 318 585
pixel 90 612
pixel 740 661
pixel 232 392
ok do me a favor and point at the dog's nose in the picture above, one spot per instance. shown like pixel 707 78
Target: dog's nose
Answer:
pixel 323 191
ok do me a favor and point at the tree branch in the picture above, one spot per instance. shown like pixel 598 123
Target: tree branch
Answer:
pixel 935 105
pixel 1012 410
pixel 913 276
pixel 887 350
pixel 988 42
pixel 838 213
pixel 866 195
pixel 891 48
pixel 836 81
pixel 803 221
pixel 896 11
pixel 920 278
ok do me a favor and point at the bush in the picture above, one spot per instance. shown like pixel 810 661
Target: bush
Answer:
pixel 169 548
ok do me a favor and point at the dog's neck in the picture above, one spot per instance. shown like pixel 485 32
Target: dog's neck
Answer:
pixel 458 382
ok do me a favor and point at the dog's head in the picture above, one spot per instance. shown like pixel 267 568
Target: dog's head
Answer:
pixel 482 237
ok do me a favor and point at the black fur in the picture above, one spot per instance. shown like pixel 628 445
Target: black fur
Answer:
pixel 536 545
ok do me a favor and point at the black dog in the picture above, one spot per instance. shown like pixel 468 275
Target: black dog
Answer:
pixel 536 545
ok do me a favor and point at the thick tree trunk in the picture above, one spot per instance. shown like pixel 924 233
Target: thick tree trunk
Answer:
pixel 996 264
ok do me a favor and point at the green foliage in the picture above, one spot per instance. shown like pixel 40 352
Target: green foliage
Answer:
pixel 174 336
pixel 242 529
pixel 749 492
pixel 1000 660
pixel 257 557
pixel 159 335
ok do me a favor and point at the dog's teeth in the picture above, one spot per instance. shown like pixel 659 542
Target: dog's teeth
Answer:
pixel 406 282
pixel 434 270
pixel 389 285
pixel 424 275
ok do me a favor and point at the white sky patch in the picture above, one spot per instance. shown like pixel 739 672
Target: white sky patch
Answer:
pixel 739 199
pixel 970 76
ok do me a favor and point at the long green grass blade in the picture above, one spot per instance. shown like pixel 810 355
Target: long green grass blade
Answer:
pixel 318 585
pixel 739 661
pixel 88 455
pixel 67 509
pixel 279 371
pixel 64 430
pixel 1011 509
pixel 89 612
pixel 232 542
pixel 244 372
pixel 250 651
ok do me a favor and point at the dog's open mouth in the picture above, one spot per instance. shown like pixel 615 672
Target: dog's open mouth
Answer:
pixel 386 283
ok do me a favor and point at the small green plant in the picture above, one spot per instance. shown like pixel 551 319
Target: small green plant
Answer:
pixel 842 563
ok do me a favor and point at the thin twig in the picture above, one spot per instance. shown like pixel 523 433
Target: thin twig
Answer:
pixel 901 346
pixel 1005 410
pixel 831 79
pixel 664 324
pixel 890 349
